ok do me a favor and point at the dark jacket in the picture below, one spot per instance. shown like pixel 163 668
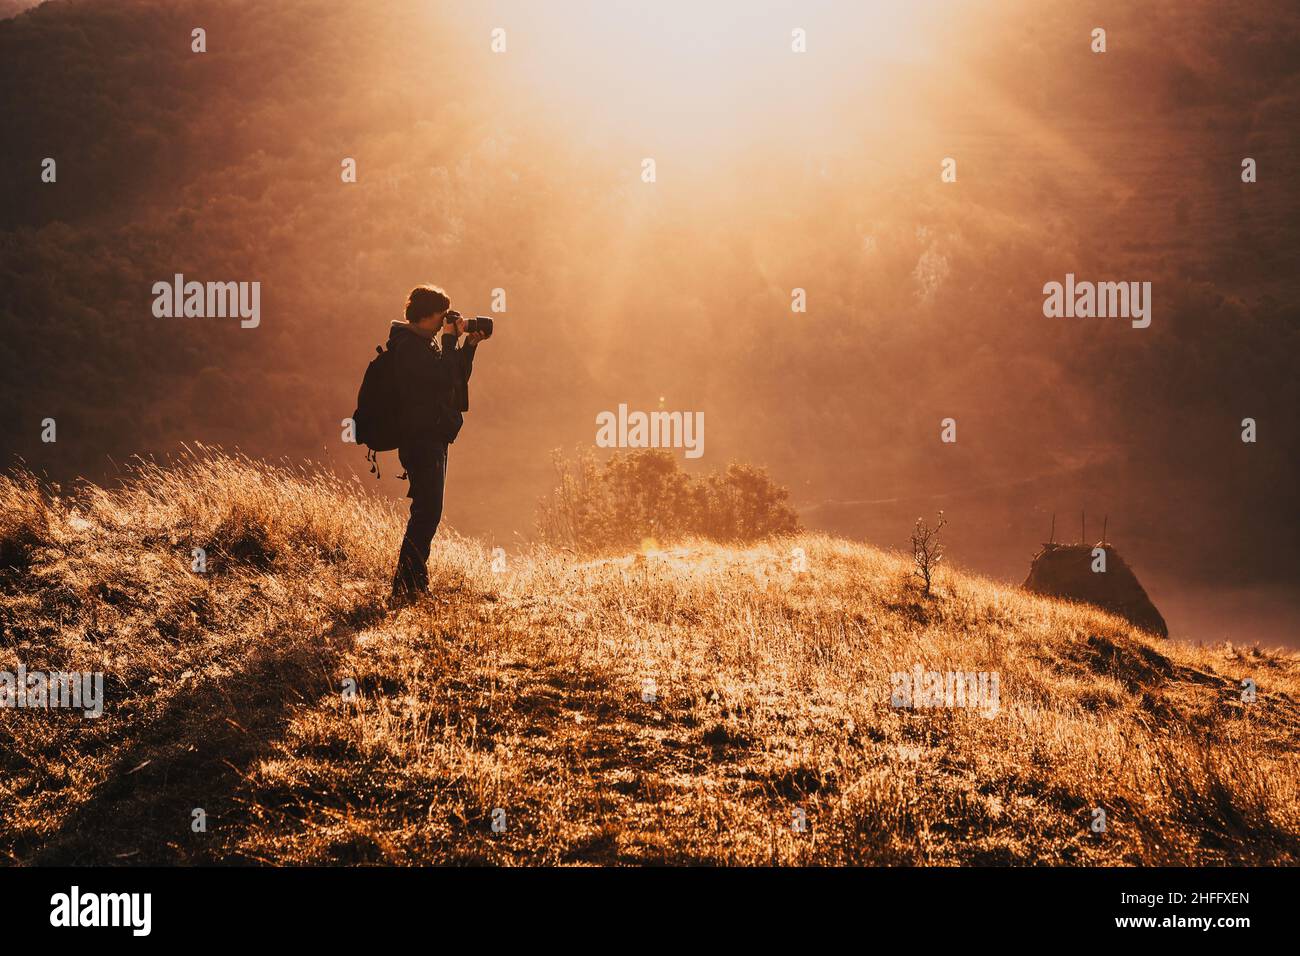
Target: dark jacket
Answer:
pixel 433 385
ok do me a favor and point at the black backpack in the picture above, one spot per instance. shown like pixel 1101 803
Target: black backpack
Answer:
pixel 378 415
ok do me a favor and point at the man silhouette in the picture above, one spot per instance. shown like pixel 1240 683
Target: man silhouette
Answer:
pixel 433 390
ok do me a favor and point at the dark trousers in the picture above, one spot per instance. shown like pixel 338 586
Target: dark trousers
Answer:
pixel 426 467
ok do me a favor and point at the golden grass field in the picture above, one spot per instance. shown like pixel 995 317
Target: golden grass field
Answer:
pixel 523 690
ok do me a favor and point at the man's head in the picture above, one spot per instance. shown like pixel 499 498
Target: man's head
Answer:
pixel 427 306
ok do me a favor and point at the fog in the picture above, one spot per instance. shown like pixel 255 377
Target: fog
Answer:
pixel 774 171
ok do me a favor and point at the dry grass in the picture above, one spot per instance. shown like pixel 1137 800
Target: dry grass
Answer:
pixel 523 691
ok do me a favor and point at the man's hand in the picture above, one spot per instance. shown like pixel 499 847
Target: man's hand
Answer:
pixel 475 338
pixel 454 326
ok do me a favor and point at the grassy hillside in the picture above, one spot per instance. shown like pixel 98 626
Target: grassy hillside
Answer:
pixel 523 690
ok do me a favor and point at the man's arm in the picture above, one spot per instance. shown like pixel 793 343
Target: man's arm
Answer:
pixel 459 362
pixel 466 355
pixel 461 359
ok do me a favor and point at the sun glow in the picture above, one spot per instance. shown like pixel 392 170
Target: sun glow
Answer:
pixel 681 71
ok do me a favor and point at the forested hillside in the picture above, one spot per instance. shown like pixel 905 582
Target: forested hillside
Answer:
pixel 924 301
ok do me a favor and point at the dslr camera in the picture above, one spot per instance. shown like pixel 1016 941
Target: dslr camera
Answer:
pixel 480 323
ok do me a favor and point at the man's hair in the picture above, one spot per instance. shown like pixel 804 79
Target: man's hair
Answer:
pixel 424 301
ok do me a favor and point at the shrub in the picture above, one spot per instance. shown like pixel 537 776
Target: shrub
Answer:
pixel 927 550
pixel 645 494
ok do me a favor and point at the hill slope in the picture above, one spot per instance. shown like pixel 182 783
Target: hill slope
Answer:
pixel 528 690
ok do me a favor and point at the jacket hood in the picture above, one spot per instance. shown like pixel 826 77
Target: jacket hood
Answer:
pixel 400 329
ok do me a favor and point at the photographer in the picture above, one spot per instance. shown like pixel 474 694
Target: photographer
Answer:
pixel 432 384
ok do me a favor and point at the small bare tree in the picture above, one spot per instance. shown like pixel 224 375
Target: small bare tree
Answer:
pixel 927 549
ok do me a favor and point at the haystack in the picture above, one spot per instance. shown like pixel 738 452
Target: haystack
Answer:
pixel 1065 571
